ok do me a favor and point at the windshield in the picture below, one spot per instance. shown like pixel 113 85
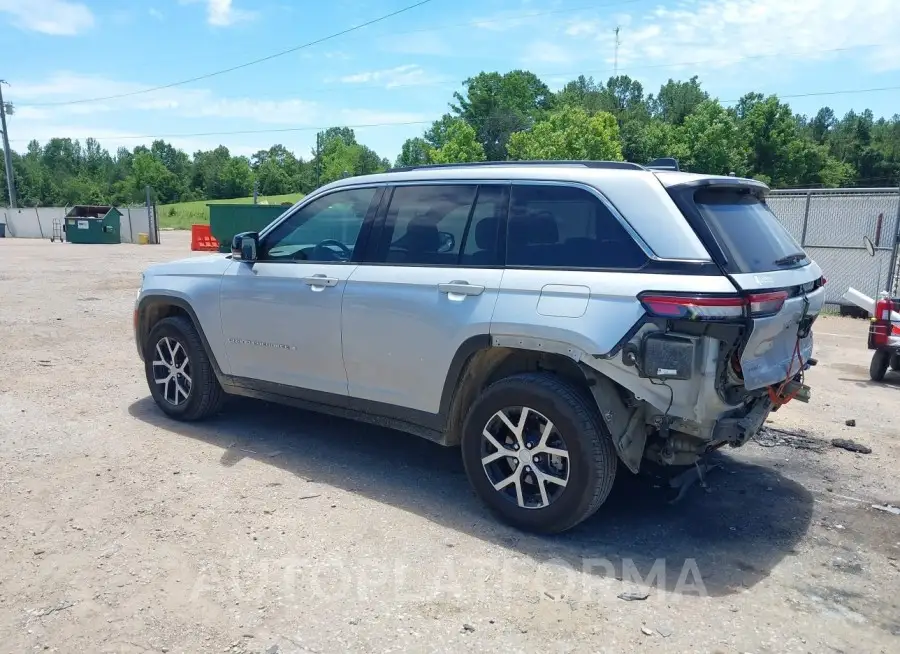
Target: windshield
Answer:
pixel 751 236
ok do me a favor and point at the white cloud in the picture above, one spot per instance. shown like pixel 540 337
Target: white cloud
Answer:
pixel 222 13
pixel 55 17
pixel 710 35
pixel 172 111
pixel 407 75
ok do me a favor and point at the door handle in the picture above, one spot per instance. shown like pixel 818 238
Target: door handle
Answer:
pixel 460 288
pixel 320 280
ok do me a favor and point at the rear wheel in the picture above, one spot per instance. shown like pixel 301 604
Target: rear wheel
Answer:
pixel 879 365
pixel 895 362
pixel 179 372
pixel 537 452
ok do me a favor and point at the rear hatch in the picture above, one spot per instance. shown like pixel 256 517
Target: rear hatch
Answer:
pixel 767 265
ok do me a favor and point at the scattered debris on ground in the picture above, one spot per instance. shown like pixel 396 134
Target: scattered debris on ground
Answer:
pixel 851 446
pixel 850 423
pixel 62 606
pixel 634 595
pixel 889 508
pixel 799 439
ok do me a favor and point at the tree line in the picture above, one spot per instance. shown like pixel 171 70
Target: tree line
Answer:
pixel 497 117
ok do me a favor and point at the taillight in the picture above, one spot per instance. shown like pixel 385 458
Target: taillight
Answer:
pixel 766 304
pixel 713 307
pixel 879 332
pixel 694 307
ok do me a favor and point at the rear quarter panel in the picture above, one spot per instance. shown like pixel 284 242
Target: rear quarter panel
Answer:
pixel 589 310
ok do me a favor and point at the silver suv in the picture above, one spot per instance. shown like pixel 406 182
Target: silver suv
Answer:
pixel 555 319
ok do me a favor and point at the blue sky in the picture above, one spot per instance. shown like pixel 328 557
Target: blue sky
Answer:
pixel 405 69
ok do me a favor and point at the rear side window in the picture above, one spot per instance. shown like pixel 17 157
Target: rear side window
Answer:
pixel 426 225
pixel 482 238
pixel 566 227
pixel 752 238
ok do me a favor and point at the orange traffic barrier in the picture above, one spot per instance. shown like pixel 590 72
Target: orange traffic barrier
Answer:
pixel 202 239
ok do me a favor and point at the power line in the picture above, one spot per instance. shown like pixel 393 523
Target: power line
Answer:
pixel 259 131
pixel 239 66
pixel 428 122
pixel 281 53
pixel 573 74
pixel 822 93
pixel 440 83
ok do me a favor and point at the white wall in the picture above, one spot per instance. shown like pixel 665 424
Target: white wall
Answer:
pixel 38 222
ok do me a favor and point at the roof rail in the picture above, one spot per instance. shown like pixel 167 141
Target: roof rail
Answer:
pixel 614 165
pixel 663 163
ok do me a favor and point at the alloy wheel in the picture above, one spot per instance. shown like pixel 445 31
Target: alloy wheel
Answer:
pixel 172 371
pixel 525 457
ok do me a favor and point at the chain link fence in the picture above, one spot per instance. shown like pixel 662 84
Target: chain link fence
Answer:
pixel 830 225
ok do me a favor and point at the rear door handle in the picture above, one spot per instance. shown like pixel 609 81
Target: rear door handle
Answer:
pixel 460 288
pixel 320 280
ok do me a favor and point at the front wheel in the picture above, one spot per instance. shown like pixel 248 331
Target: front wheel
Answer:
pixel 879 365
pixel 179 372
pixel 537 452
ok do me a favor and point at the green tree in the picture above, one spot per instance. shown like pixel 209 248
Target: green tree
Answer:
pixel 147 170
pixel 460 145
pixel 709 141
pixel 678 100
pixel 570 133
pixel 498 105
pixel 272 178
pixel 414 152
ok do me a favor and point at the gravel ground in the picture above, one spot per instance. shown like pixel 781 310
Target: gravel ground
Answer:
pixel 274 530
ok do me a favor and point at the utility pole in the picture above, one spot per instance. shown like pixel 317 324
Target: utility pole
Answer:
pixel 7 154
pixel 318 158
pixel 616 60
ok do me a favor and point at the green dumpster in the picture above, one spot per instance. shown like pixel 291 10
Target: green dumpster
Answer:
pixel 226 220
pixel 93 224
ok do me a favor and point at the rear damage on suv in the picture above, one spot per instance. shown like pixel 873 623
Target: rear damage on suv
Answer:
pixel 701 371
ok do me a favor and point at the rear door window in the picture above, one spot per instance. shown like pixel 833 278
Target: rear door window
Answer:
pixel 426 225
pixel 566 227
pixel 751 237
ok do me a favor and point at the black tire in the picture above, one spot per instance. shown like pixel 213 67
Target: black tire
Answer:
pixel 592 459
pixel 879 365
pixel 205 397
pixel 895 362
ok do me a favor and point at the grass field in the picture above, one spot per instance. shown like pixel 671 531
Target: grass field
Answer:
pixel 184 214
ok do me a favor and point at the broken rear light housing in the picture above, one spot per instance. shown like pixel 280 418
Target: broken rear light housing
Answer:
pixel 675 306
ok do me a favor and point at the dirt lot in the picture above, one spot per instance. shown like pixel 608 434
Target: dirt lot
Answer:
pixel 273 530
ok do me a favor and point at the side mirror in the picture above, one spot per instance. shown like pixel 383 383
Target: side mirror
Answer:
pixel 244 246
pixel 448 242
pixel 870 247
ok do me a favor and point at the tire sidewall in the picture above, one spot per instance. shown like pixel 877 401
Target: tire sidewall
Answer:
pixel 583 472
pixel 879 365
pixel 171 330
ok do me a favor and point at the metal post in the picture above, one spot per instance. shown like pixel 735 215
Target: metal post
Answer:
pixel 318 158
pixel 7 153
pixel 152 235
pixel 256 191
pixel 892 283
pixel 38 216
pixel 130 226
pixel 805 220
